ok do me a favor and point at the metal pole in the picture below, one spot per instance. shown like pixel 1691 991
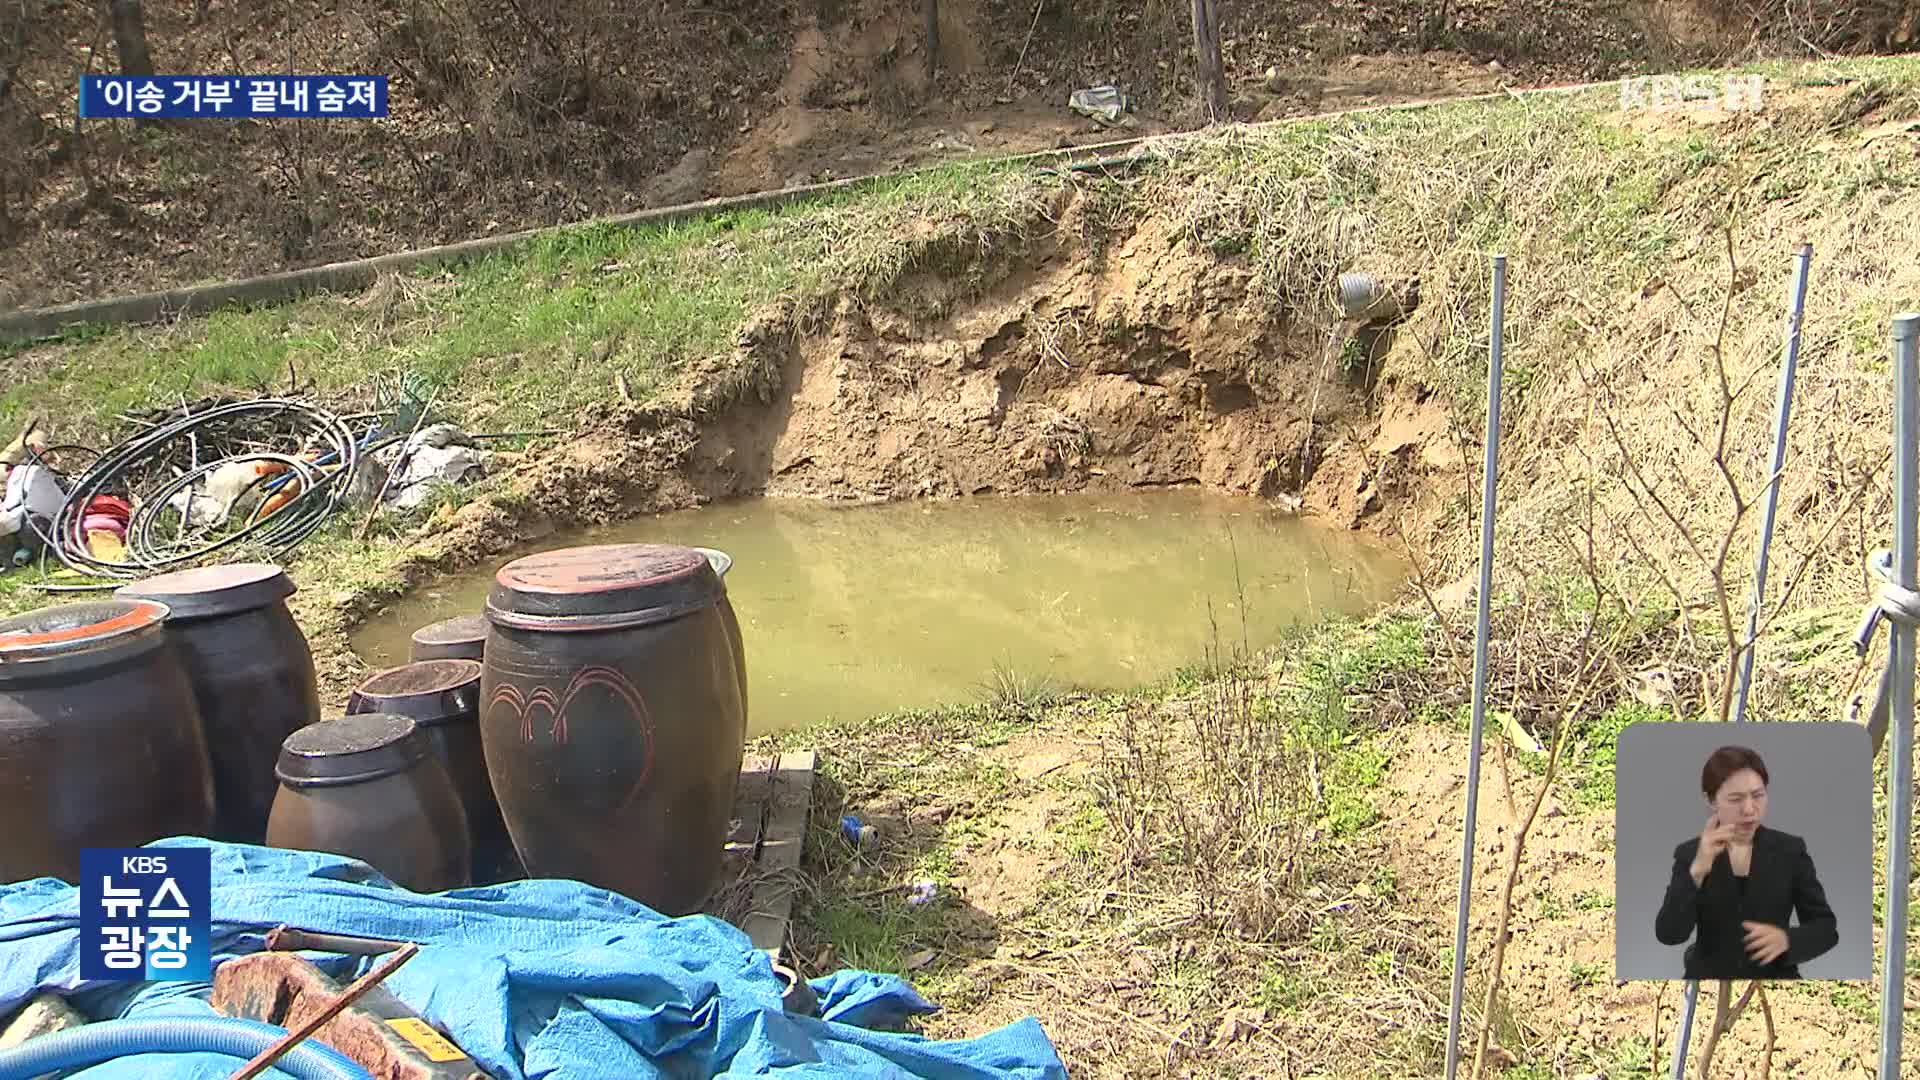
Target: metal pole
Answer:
pixel 1906 429
pixel 1782 411
pixel 1481 632
pixel 1685 1034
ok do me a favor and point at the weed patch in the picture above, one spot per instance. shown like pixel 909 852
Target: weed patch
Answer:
pixel 1596 757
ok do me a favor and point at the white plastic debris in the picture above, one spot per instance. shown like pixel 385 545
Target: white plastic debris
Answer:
pixel 441 436
pixel 31 490
pixel 1107 104
pixel 433 455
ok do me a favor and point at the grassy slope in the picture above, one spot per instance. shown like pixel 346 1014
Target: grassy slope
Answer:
pixel 528 337
pixel 1591 211
pixel 1122 891
pixel 523 340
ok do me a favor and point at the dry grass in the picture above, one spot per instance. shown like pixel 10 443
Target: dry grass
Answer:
pixel 1212 901
pixel 1190 885
pixel 1238 813
pixel 1618 227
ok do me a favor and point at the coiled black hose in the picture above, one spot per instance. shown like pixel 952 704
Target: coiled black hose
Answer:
pixel 321 493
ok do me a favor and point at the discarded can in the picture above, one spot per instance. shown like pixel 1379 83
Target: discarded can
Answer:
pixel 857 833
pixel 924 892
pixel 722 562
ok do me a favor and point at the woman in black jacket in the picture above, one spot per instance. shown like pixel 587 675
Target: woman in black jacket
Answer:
pixel 1735 884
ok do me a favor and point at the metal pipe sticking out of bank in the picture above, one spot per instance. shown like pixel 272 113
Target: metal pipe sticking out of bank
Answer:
pixel 1481 630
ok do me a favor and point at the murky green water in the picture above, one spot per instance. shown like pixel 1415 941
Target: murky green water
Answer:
pixel 852 611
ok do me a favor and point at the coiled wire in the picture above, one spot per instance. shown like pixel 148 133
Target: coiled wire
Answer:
pixel 321 492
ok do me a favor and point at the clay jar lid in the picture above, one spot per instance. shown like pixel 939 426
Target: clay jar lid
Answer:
pixel 722 562
pixel 86 634
pixel 427 691
pixel 209 591
pixel 603 587
pixel 463 638
pixel 349 750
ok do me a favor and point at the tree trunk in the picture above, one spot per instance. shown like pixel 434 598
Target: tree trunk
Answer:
pixel 931 9
pixel 1434 28
pixel 130 37
pixel 16 51
pixel 1212 72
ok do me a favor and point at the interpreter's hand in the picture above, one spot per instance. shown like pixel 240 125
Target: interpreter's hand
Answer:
pixel 1765 942
pixel 1714 839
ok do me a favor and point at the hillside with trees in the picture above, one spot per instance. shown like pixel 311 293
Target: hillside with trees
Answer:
pixel 510 114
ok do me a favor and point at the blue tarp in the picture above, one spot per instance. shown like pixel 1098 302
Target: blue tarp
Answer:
pixel 534 979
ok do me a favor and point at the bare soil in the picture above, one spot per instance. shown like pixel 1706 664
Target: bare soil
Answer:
pixel 1559 957
pixel 1151 365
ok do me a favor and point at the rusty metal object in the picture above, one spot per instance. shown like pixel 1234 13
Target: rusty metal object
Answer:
pixel 378 1030
pixel 463 638
pixel 292 939
pixel 252 674
pixel 101 743
pixel 443 698
pixel 369 787
pixel 264 1060
pixel 612 720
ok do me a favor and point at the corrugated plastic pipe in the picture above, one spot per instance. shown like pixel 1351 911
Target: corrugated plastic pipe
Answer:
pixel 108 1040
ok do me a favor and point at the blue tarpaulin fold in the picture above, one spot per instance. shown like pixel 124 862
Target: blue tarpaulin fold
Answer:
pixel 536 980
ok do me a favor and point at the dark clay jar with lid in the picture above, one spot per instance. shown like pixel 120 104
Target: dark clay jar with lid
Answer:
pixel 442 697
pixel 100 737
pixel 462 638
pixel 252 674
pixel 611 715
pixel 369 786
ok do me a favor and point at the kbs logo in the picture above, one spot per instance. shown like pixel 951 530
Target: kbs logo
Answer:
pixel 144 914
pixel 1734 93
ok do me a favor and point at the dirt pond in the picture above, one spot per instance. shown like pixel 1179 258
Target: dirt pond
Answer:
pixel 850 611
